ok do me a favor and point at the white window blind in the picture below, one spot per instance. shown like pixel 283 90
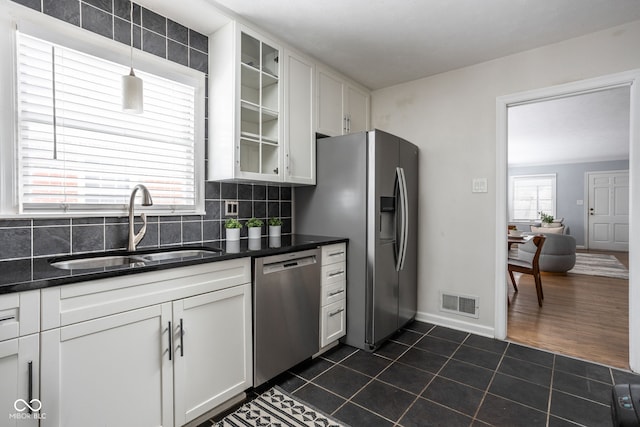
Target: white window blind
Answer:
pixel 531 194
pixel 78 151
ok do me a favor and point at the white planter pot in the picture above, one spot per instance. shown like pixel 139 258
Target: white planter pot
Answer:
pixel 254 232
pixel 275 230
pixel 233 234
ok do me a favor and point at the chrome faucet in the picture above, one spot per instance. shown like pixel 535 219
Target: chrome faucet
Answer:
pixel 146 201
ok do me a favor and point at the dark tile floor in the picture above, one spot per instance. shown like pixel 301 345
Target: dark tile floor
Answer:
pixel 429 375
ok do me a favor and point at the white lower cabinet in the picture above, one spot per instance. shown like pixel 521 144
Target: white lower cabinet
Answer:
pixel 163 364
pixel 333 313
pixel 19 384
pixel 213 358
pixel 112 371
pixel 20 359
pixel 333 323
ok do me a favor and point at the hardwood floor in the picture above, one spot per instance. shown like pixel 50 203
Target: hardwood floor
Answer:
pixel 582 316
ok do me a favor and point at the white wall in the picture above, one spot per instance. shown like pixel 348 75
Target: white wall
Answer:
pixel 452 118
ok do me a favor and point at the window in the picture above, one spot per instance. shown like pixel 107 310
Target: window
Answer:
pixel 531 194
pixel 77 152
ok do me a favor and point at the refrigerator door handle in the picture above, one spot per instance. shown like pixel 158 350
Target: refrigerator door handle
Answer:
pixel 405 218
pixel 397 219
pixel 402 190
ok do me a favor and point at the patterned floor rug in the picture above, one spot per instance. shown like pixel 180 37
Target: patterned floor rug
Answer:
pixel 600 265
pixel 276 408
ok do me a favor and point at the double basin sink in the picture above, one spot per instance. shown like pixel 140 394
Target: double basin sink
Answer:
pixel 130 259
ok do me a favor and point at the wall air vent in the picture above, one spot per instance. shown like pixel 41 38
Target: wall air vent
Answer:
pixel 464 305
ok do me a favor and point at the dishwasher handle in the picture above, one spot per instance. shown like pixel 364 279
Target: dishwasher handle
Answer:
pixel 290 264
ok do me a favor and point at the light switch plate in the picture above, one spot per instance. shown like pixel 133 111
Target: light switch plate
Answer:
pixel 479 185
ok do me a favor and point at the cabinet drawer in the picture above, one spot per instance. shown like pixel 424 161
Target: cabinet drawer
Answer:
pixel 65 305
pixel 19 314
pixel 333 292
pixel 333 322
pixel 334 253
pixel 333 273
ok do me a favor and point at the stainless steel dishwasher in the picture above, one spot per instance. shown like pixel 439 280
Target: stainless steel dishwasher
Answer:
pixel 286 312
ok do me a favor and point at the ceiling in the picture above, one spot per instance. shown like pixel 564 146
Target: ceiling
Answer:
pixel 380 43
pixel 575 129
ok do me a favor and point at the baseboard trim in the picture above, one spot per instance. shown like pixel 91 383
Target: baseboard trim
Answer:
pixel 460 325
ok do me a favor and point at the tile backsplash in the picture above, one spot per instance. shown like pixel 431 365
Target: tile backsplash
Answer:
pixel 30 241
pixel 26 240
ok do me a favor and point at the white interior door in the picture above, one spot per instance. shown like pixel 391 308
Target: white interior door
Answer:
pixel 608 210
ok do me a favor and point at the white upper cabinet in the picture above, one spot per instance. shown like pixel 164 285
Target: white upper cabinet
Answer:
pixel 245 138
pixel 266 102
pixel 342 107
pixel 262 109
pixel 357 110
pixel 330 105
pixel 299 119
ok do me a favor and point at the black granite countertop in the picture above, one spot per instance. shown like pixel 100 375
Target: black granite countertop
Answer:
pixel 44 275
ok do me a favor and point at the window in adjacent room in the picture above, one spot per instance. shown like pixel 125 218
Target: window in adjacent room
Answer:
pixel 530 194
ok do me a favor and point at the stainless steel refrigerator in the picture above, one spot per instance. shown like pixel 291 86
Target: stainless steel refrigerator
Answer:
pixel 367 190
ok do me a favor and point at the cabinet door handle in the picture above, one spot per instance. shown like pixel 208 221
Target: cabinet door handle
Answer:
pixel 336 292
pixel 348 123
pixel 30 385
pixel 337 273
pixel 337 253
pixel 181 341
pixel 336 312
pixel 4 319
pixel 170 331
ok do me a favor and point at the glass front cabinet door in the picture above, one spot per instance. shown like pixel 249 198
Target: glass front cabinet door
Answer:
pixel 259 106
pixel 245 126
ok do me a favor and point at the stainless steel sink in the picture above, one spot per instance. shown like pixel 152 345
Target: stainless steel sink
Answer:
pixel 184 253
pixel 99 262
pixel 131 260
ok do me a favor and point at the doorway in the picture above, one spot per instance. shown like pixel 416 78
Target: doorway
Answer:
pixel 586 86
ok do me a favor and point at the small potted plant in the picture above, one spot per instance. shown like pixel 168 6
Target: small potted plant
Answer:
pixel 255 228
pixel 275 227
pixel 547 220
pixel 233 227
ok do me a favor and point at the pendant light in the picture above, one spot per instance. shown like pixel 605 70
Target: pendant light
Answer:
pixel 131 85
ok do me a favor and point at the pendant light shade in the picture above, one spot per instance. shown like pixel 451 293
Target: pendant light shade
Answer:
pixel 132 93
pixel 132 85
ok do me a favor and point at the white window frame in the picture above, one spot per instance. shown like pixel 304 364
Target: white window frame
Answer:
pixel 59 32
pixel 513 178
